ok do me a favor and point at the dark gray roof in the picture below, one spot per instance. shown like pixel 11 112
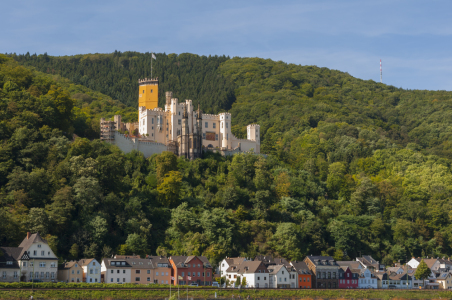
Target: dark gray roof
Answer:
pixel 140 263
pixel 266 259
pixel 107 262
pixel 349 263
pixel 322 260
pixel 159 260
pixel 301 267
pixel 9 254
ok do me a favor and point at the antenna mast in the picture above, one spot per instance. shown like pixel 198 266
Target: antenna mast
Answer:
pixel 381 73
pixel 152 54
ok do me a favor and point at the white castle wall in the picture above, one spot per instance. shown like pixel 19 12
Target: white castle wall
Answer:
pixel 127 144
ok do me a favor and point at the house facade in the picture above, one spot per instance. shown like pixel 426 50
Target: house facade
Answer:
pixel 70 272
pixel 91 270
pixel 325 271
pixel 116 270
pixel 255 273
pixel 445 281
pixel 37 260
pixel 279 277
pixel 9 266
pixel 367 280
pixel 347 278
pixel 191 269
pixel 304 274
pixel 228 262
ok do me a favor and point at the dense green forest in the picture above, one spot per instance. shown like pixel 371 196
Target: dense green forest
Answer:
pixel 353 166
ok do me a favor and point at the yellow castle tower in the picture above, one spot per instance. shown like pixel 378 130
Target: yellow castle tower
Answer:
pixel 148 93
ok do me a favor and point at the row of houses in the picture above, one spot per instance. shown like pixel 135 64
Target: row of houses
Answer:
pixel 34 260
pixel 323 272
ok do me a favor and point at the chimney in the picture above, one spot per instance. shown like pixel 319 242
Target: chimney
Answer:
pixel 28 235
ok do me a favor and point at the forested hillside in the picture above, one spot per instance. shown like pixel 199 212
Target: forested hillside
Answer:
pixel 354 167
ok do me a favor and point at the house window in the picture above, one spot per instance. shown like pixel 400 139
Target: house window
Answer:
pixel 179 121
pixel 112 272
pixel 258 278
pixel 183 274
pixel 42 253
pixel 91 271
pixel 203 135
pixel 214 125
pixel 39 245
pixel 53 265
pixel 48 253
pixel 24 264
pixel 166 273
pixel 117 279
pixel 123 280
pixel 265 278
pixel 206 124
pixel 34 252
pixel 137 278
pixel 149 272
pixel 149 279
pixel 90 280
pixel 156 273
pixel 78 271
pixel 73 271
pixel 42 264
pixel 329 275
pixel 112 263
pixel 208 274
pixel 123 271
pixel 199 274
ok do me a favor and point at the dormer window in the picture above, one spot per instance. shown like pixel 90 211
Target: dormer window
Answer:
pixel 113 263
pixel 9 262
pixel 123 263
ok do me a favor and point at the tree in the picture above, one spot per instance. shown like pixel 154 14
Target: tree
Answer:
pixel 165 162
pixel 237 281
pixel 74 251
pixel 136 243
pixel 169 189
pixel 422 271
pixel 244 281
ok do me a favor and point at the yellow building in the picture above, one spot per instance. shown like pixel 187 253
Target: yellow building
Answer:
pixel 148 93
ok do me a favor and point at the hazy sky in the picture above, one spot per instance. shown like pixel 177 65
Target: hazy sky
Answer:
pixel 413 38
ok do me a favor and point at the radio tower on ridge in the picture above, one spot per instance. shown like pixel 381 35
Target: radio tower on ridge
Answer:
pixel 381 73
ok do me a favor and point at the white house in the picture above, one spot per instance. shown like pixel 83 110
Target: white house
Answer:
pixel 228 262
pixel 279 276
pixel 116 270
pixel 37 260
pixel 255 273
pixel 367 280
pixel 91 270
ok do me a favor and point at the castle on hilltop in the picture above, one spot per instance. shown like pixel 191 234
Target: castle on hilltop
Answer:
pixel 177 128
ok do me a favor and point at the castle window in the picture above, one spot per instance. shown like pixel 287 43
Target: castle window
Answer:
pixel 203 135
pixel 214 125
pixel 179 113
pixel 216 137
pixel 227 136
pixel 226 124
pixel 151 91
pixel 143 91
pixel 207 124
pixel 179 121
pixel 152 120
pixel 221 125
pixel 152 134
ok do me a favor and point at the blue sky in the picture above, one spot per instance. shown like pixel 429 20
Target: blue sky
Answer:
pixel 413 38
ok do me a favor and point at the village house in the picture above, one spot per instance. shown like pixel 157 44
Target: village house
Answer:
pixel 255 273
pixel 161 272
pixel 325 270
pixel 91 270
pixel 228 262
pixel 37 260
pixel 444 281
pixel 191 269
pixel 304 274
pixel 367 279
pixel 347 278
pixel 369 263
pixel 279 276
pixel 116 270
pixel 70 272
pixel 9 266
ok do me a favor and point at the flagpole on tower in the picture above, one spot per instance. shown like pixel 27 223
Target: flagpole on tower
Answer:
pixel 381 73
pixel 152 57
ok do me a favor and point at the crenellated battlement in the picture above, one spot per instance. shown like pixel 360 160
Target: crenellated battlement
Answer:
pixel 148 81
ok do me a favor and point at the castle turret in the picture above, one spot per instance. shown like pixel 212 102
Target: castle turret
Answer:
pixel 148 93
pixel 168 95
